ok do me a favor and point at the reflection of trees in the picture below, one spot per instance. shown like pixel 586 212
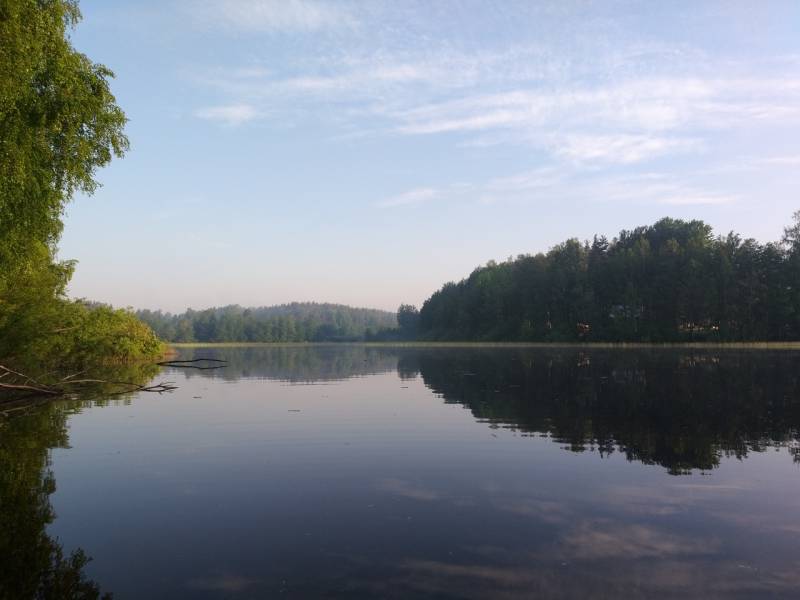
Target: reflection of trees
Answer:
pixel 296 363
pixel 30 386
pixel 33 564
pixel 681 411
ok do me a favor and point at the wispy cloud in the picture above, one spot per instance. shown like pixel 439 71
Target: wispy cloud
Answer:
pixel 385 81
pixel 696 199
pixel 416 196
pixel 644 105
pixel 231 114
pixel 621 148
pixel 543 184
pixel 271 15
pixel 538 178
pixel 792 160
pixel 654 189
pixel 597 112
pixel 610 120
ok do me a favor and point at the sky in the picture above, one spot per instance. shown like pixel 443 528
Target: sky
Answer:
pixel 367 152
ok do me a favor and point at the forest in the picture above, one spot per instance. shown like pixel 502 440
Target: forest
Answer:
pixel 673 281
pixel 295 322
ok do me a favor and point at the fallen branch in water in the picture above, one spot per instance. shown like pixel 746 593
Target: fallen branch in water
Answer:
pixel 29 388
pixel 184 364
pixel 26 378
pixel 159 388
pixel 194 360
pixel 25 383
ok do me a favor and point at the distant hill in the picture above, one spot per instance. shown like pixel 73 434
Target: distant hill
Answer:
pixel 295 322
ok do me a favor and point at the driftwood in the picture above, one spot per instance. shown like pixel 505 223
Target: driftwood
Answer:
pixel 186 364
pixel 24 383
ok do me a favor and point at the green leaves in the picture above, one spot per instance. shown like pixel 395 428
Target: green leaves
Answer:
pixel 668 282
pixel 59 123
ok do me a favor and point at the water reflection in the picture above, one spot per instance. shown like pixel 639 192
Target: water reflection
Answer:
pixel 681 411
pixel 417 472
pixel 33 564
pixel 296 363
pixel 675 408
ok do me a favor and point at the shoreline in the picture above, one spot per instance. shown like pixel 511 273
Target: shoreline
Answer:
pixel 573 345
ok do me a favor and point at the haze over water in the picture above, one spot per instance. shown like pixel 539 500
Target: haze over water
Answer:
pixel 358 471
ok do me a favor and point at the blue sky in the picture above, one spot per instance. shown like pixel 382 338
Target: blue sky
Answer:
pixel 367 152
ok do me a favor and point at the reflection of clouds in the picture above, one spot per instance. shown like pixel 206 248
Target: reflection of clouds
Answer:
pixel 470 580
pixel 654 556
pixel 407 489
pixel 602 558
pixel 648 501
pixel 673 499
pixel 784 520
pixel 520 575
pixel 222 583
pixel 610 539
pixel 545 510
pixel 713 487
pixel 721 502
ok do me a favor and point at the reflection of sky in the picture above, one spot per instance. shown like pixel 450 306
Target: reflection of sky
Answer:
pixel 295 363
pixel 375 486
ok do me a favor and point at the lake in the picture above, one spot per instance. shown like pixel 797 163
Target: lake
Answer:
pixel 347 471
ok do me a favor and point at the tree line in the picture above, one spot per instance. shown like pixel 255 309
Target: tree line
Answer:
pixel 672 281
pixel 295 322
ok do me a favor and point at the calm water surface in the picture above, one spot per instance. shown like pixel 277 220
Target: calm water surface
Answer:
pixel 356 471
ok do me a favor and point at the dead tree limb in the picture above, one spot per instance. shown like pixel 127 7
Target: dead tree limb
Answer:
pixel 194 360
pixel 185 364
pixel 25 383
pixel 27 379
pixel 159 388
pixel 30 388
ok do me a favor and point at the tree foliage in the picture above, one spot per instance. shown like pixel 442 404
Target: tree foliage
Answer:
pixel 59 123
pixel 295 322
pixel 671 281
pixel 408 321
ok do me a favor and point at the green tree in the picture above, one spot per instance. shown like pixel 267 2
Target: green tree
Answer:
pixel 59 123
pixel 670 281
pixel 408 321
pixel 791 234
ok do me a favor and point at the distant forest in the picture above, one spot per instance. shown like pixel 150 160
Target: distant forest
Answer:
pixel 673 281
pixel 296 322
